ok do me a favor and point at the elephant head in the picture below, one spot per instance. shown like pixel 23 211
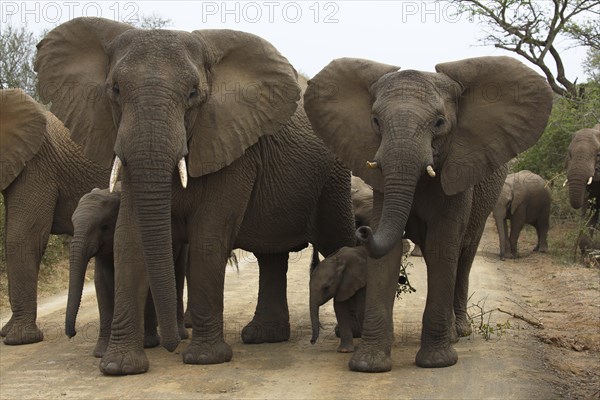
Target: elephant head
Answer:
pixel 94 222
pixel 153 99
pixel 340 275
pixel 22 132
pixel 362 202
pixel 583 164
pixel 454 127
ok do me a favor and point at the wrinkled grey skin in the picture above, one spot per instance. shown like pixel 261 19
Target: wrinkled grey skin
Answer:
pixel 37 202
pixel 524 199
pixel 583 163
pixel 94 223
pixel 342 277
pixel 258 178
pixel 402 122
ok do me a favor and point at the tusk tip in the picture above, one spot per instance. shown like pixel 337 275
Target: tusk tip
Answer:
pixel 372 164
pixel 430 171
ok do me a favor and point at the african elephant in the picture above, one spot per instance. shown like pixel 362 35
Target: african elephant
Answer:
pixel 42 176
pixel 215 111
pixel 94 222
pixel 583 172
pixel 434 147
pixel 342 277
pixel 524 199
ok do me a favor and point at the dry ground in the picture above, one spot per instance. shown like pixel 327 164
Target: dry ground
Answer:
pixel 557 360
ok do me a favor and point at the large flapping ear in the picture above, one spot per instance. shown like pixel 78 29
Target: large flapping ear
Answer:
pixel 503 111
pixel 253 92
pixel 72 66
pixel 22 132
pixel 339 104
pixel 354 276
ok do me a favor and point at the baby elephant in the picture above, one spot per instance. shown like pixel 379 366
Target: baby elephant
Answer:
pixel 341 276
pixel 525 199
pixel 94 223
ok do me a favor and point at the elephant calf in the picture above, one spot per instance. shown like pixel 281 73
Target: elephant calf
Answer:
pixel 94 223
pixel 341 276
pixel 525 199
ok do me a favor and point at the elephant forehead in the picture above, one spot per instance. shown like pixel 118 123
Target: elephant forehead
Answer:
pixel 412 84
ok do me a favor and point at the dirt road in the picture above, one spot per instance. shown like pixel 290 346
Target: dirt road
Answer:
pixel 512 366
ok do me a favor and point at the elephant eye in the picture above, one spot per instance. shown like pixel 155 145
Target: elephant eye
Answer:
pixel 104 227
pixel 376 124
pixel 193 93
pixel 440 122
pixel 116 89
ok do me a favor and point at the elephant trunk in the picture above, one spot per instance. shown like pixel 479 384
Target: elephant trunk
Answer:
pixel 577 187
pixel 79 257
pixel 150 184
pixel 314 319
pixel 499 219
pixel 399 181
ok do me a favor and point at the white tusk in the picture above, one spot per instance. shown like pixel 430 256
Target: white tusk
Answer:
pixel 183 175
pixel 565 182
pixel 372 165
pixel 114 173
pixel 430 171
pixel 590 180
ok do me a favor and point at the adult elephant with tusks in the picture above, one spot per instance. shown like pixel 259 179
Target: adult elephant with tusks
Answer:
pixel 434 147
pixel 218 106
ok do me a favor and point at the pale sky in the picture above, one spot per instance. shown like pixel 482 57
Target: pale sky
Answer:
pixel 410 34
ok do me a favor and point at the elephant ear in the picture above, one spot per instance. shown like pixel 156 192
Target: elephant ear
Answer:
pixel 72 64
pixel 253 91
pixel 22 132
pixel 502 111
pixel 354 276
pixel 339 104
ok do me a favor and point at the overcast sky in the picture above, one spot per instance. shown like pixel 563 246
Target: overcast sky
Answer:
pixel 410 34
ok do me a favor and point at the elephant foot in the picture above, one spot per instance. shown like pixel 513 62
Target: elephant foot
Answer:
pixel 115 362
pixel 17 334
pixel 540 249
pixel 206 353
pixel 101 345
pixel 7 327
pixel 463 327
pixel 429 357
pixel 265 332
pixel 373 360
pixel 346 348
pixel 151 340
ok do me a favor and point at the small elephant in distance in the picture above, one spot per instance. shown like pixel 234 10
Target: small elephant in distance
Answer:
pixel 94 222
pixel 341 276
pixel 524 199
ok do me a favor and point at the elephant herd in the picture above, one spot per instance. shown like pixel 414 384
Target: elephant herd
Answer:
pixel 215 144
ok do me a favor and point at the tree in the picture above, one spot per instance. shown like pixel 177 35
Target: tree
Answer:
pixel 532 29
pixel 17 46
pixel 591 65
pixel 153 21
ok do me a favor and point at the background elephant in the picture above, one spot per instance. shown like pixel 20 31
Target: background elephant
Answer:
pixel 94 222
pixel 220 109
pixel 342 277
pixel 583 172
pixel 524 199
pixel 43 175
pixel 436 146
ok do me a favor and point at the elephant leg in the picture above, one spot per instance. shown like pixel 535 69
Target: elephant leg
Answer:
pixel 207 262
pixel 125 352
pixel 27 231
pixel 104 280
pixel 541 229
pixel 517 223
pixel 151 337
pixel 345 318
pixel 374 352
pixel 335 217
pixel 461 292
pixel 271 322
pixel 181 257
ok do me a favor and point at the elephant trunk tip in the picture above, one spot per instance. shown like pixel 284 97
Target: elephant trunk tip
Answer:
pixel 365 237
pixel 70 331
pixel 172 343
